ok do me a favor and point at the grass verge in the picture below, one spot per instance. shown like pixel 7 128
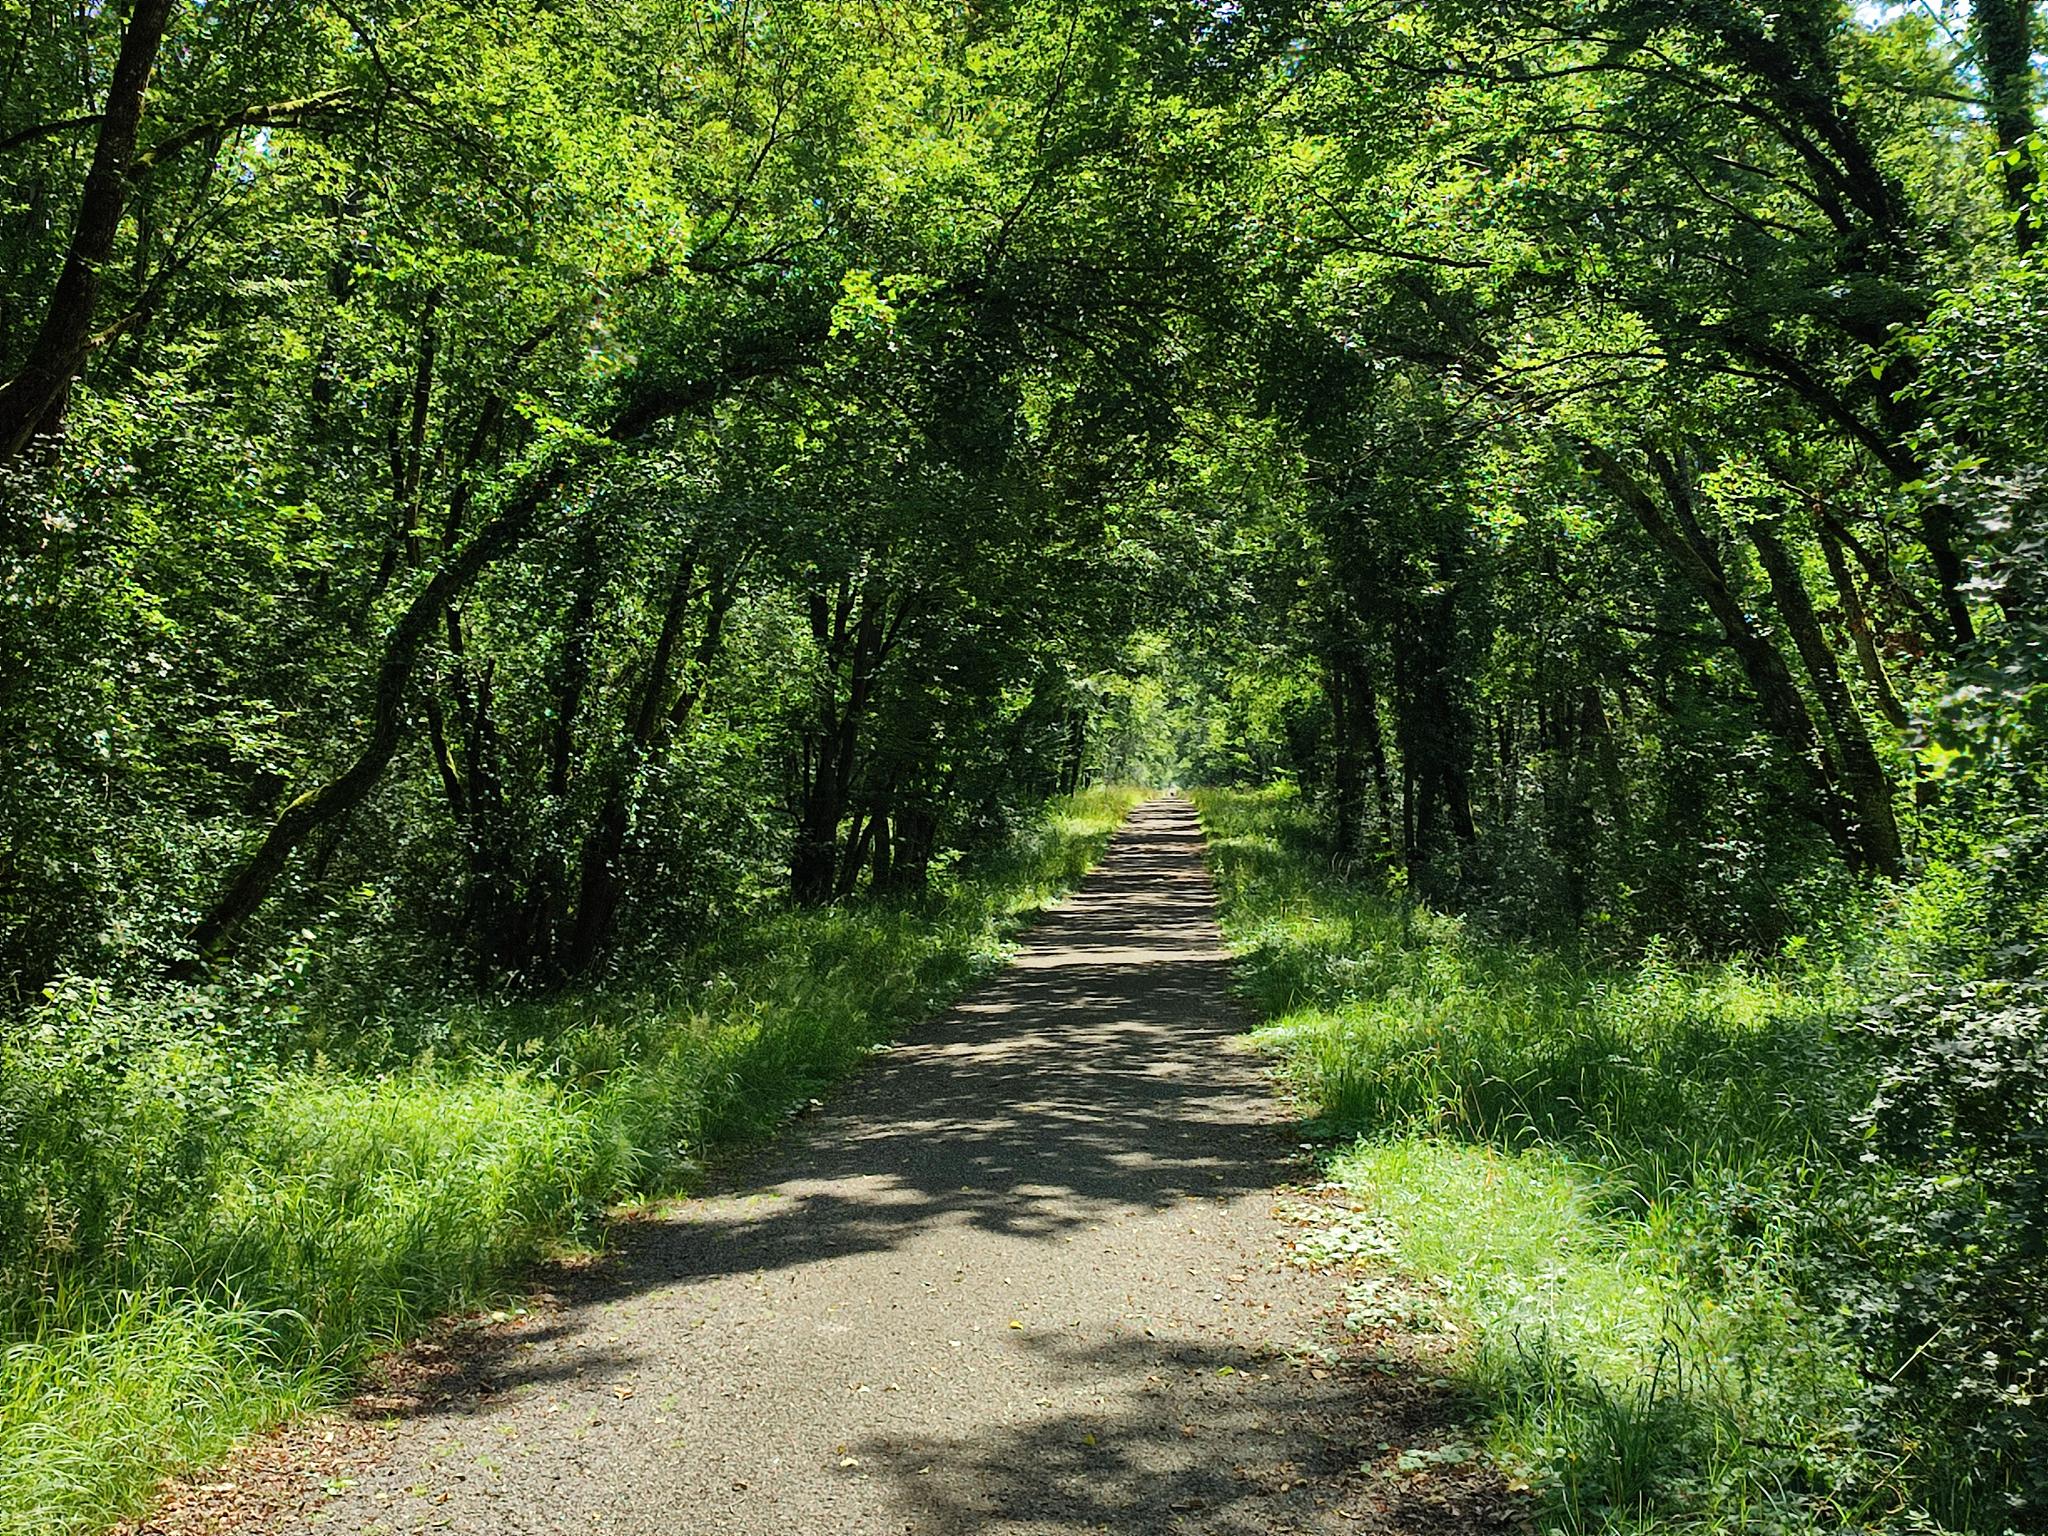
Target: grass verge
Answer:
pixel 1610 1175
pixel 212 1212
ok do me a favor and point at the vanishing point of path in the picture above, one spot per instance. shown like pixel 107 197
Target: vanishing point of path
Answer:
pixel 1022 1276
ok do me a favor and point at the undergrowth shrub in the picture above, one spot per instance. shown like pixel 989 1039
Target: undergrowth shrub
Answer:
pixel 1958 1137
pixel 115 1115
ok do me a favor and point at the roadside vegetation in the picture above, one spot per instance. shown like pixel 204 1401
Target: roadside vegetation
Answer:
pixel 215 1206
pixel 1651 1197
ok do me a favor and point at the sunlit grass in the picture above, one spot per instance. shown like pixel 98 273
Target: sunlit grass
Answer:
pixel 109 1389
pixel 1603 1170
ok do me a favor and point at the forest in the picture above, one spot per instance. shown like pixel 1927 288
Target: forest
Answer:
pixel 569 569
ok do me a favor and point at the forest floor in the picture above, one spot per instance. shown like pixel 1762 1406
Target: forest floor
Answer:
pixel 1031 1272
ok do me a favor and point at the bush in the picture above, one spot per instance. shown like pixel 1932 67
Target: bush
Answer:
pixel 1956 1315
pixel 114 1123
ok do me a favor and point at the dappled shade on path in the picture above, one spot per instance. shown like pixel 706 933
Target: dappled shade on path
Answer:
pixel 1023 1276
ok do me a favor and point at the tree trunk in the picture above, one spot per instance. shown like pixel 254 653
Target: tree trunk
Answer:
pixel 1077 746
pixel 815 858
pixel 917 836
pixel 573 682
pixel 858 837
pixel 248 886
pixel 32 402
pixel 1869 787
pixel 855 631
pixel 2003 33
pixel 880 874
pixel 321 804
pixel 1347 777
pixel 1694 557
pixel 503 913
pixel 656 718
pixel 1457 792
pixel 1427 787
pixel 1376 758
pixel 1883 578
pixel 1857 617
pixel 1614 781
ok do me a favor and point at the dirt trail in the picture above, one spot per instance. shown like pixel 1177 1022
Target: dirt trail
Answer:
pixel 1022 1276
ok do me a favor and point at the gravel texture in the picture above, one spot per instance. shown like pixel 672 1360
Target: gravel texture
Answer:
pixel 1025 1275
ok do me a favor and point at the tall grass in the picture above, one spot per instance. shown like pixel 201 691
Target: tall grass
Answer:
pixel 1615 1176
pixel 212 1212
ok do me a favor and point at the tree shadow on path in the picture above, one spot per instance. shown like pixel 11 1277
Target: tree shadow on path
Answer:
pixel 1095 1077
pixel 1202 1440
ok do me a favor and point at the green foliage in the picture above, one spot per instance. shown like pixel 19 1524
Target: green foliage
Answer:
pixel 1959 1125
pixel 775 417
pixel 111 1391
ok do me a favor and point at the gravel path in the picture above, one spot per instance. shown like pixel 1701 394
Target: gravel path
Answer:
pixel 1023 1275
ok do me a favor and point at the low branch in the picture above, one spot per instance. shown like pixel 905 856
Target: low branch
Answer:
pixel 246 891
pixel 269 114
pixel 49 130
